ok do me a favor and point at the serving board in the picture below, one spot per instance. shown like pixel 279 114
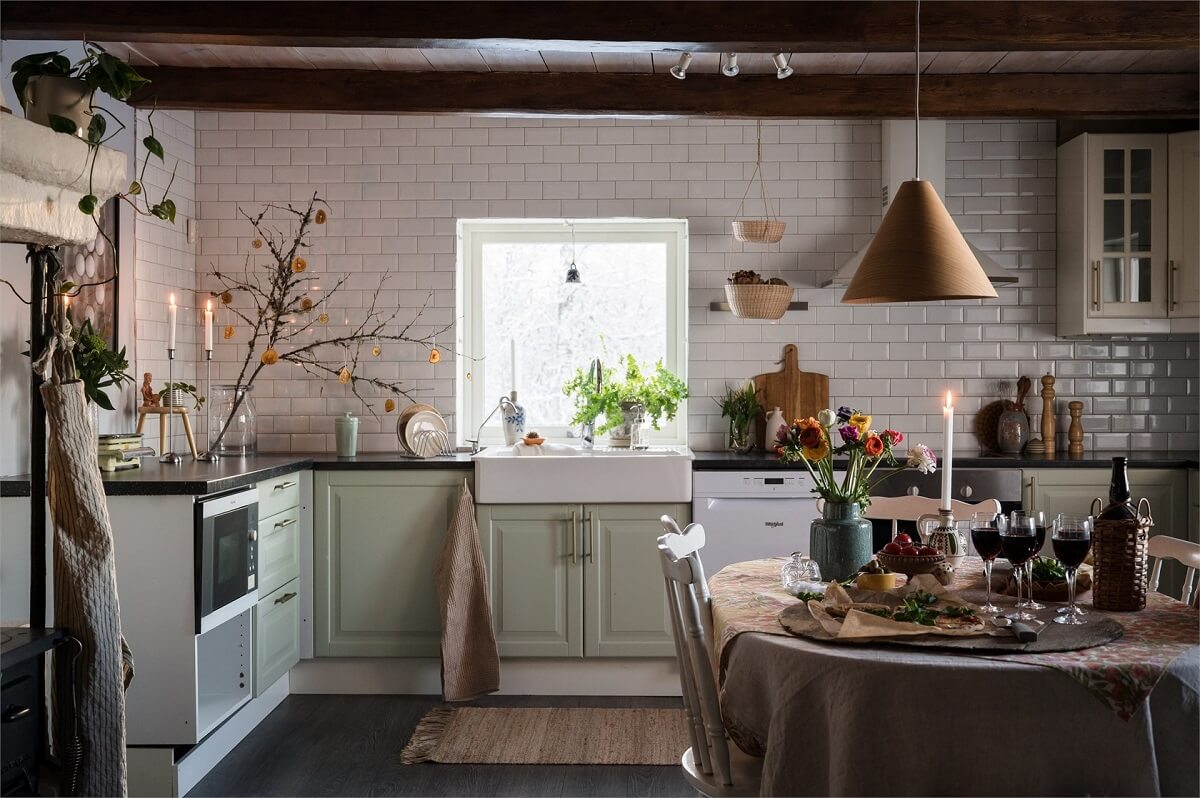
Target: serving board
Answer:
pixel 799 394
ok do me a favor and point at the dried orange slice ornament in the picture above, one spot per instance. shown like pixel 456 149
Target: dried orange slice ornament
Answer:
pixel 269 357
pixel 306 304
pixel 377 350
pixel 389 405
pixel 321 217
pixel 323 318
pixel 256 243
pixel 435 356
pixel 299 265
pixel 228 331
pixel 226 297
pixel 344 375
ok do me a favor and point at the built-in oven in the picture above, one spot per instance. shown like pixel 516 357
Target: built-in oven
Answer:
pixel 226 557
pixel 967 485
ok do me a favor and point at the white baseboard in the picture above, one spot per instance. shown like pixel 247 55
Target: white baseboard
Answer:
pixel 153 771
pixel 422 676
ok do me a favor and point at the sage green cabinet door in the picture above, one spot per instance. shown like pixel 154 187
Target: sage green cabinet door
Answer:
pixel 533 554
pixel 378 535
pixel 625 608
pixel 276 635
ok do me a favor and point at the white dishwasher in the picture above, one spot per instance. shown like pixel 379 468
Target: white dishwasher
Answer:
pixel 749 515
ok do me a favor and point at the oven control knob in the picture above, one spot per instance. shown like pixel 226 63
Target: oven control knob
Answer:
pixel 913 491
pixel 965 491
pixel 253 534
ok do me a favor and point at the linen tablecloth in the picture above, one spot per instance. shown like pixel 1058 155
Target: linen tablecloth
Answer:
pixel 835 719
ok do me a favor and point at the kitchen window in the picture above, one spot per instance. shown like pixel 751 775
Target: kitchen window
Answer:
pixel 519 314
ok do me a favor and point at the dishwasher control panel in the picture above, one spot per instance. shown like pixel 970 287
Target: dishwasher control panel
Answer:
pixel 732 484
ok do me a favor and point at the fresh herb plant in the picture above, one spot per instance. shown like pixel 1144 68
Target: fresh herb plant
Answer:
pixel 97 366
pixel 660 393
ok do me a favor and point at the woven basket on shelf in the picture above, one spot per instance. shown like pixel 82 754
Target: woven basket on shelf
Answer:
pixel 1121 575
pixel 758 301
pixel 758 231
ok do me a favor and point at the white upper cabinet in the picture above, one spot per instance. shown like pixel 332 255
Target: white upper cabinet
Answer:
pixel 1183 247
pixel 1114 228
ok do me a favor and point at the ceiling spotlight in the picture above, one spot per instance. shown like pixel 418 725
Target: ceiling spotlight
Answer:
pixel 729 67
pixel 782 70
pixel 681 68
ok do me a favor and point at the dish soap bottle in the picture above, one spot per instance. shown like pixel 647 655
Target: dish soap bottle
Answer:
pixel 775 420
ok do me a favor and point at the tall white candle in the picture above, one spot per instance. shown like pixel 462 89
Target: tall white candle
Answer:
pixel 171 311
pixel 947 450
pixel 512 342
pixel 208 319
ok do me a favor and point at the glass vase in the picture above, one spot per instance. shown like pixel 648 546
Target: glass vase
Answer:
pixel 740 439
pixel 840 540
pixel 232 410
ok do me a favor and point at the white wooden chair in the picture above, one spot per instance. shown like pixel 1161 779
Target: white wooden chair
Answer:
pixel 711 765
pixel 912 508
pixel 1162 547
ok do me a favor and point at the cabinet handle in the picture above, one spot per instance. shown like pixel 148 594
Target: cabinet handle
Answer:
pixel 574 532
pixel 16 713
pixel 591 554
pixel 1032 488
pixel 285 598
pixel 1095 285
pixel 284 485
pixel 283 524
pixel 1172 296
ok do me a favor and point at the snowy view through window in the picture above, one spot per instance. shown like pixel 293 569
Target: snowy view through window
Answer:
pixel 620 308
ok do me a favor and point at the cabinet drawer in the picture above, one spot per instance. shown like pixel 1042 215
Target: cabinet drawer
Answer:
pixel 278 494
pixel 276 635
pixel 278 550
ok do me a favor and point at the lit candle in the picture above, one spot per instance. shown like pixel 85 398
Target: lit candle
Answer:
pixel 208 318
pixel 947 450
pixel 171 311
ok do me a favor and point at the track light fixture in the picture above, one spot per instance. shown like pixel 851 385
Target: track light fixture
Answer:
pixel 680 69
pixel 729 65
pixel 782 70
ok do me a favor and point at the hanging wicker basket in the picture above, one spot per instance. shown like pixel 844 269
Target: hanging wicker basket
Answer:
pixel 758 231
pixel 758 301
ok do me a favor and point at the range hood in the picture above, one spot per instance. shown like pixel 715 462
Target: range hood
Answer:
pixel 897 166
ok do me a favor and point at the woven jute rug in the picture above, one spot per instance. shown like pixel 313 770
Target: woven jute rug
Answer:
pixel 548 736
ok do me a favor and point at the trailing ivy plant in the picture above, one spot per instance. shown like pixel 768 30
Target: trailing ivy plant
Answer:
pixel 659 393
pixel 101 71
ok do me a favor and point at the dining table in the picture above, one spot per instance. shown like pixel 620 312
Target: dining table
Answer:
pixel 877 718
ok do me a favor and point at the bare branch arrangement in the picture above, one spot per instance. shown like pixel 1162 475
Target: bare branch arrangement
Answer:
pixel 286 323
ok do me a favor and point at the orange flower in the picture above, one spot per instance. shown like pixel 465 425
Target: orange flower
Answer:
pixel 874 445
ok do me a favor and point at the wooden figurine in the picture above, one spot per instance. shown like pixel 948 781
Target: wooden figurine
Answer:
pixel 149 397
pixel 1048 413
pixel 1075 433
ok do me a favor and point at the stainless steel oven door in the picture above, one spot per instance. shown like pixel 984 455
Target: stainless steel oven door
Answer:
pixel 226 557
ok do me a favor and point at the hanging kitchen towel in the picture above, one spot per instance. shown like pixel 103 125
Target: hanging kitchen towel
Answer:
pixel 470 663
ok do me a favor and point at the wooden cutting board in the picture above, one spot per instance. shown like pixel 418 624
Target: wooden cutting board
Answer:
pixel 799 394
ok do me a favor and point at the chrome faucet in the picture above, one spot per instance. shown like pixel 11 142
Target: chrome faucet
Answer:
pixel 503 401
pixel 595 372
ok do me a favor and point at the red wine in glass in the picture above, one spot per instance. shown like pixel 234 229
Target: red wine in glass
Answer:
pixel 987 541
pixel 1071 552
pixel 1040 531
pixel 1018 548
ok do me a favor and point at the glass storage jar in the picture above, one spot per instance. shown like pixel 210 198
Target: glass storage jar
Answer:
pixel 231 418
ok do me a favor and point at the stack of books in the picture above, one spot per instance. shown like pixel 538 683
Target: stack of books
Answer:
pixel 119 452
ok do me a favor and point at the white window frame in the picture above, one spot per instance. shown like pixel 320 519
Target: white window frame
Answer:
pixel 471 405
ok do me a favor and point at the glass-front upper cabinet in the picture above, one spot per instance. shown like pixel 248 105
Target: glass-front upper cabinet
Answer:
pixel 1127 242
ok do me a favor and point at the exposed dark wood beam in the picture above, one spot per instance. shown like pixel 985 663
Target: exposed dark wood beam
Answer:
pixel 949 25
pixel 753 96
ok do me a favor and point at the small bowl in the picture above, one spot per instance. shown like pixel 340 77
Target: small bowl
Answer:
pixel 910 566
pixel 533 441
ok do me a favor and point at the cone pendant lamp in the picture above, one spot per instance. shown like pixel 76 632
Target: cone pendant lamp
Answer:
pixel 917 254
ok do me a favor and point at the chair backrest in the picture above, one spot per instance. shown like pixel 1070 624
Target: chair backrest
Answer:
pixel 910 508
pixel 691 624
pixel 1162 547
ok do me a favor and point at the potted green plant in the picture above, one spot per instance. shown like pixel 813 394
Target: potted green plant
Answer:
pixel 174 394
pixel 740 406
pixel 621 400
pixel 97 366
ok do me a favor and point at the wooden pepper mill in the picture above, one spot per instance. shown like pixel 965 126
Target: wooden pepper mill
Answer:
pixel 1075 433
pixel 1048 420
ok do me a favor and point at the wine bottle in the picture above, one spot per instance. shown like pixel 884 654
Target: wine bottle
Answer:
pixel 1120 505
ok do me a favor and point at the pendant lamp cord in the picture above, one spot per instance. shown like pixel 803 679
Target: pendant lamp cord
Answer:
pixel 917 101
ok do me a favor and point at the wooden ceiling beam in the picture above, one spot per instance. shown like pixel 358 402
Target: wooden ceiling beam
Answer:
pixel 585 26
pixel 748 96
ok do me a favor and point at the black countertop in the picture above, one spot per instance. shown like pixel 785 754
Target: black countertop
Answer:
pixel 191 478
pixel 756 460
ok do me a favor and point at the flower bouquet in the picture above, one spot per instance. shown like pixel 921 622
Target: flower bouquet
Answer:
pixel 841 539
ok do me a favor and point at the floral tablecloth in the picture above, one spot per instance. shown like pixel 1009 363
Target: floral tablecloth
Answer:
pixel 748 597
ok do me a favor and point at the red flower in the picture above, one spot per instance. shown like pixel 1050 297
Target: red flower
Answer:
pixel 895 438
pixel 811 437
pixel 874 445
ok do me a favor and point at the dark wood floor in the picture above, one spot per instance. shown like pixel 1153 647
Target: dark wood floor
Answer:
pixel 350 745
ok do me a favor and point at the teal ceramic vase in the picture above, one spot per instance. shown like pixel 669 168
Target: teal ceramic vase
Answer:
pixel 840 540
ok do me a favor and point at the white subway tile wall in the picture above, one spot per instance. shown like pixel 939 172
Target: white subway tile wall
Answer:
pixel 165 264
pixel 397 184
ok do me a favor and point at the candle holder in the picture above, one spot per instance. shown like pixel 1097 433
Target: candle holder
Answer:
pixel 944 536
pixel 208 455
pixel 170 458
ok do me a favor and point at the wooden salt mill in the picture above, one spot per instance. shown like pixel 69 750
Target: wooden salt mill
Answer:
pixel 1075 433
pixel 1048 419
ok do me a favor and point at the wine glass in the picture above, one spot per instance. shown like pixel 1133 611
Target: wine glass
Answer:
pixel 1072 537
pixel 1039 526
pixel 1018 543
pixel 985 536
pixel 1076 610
